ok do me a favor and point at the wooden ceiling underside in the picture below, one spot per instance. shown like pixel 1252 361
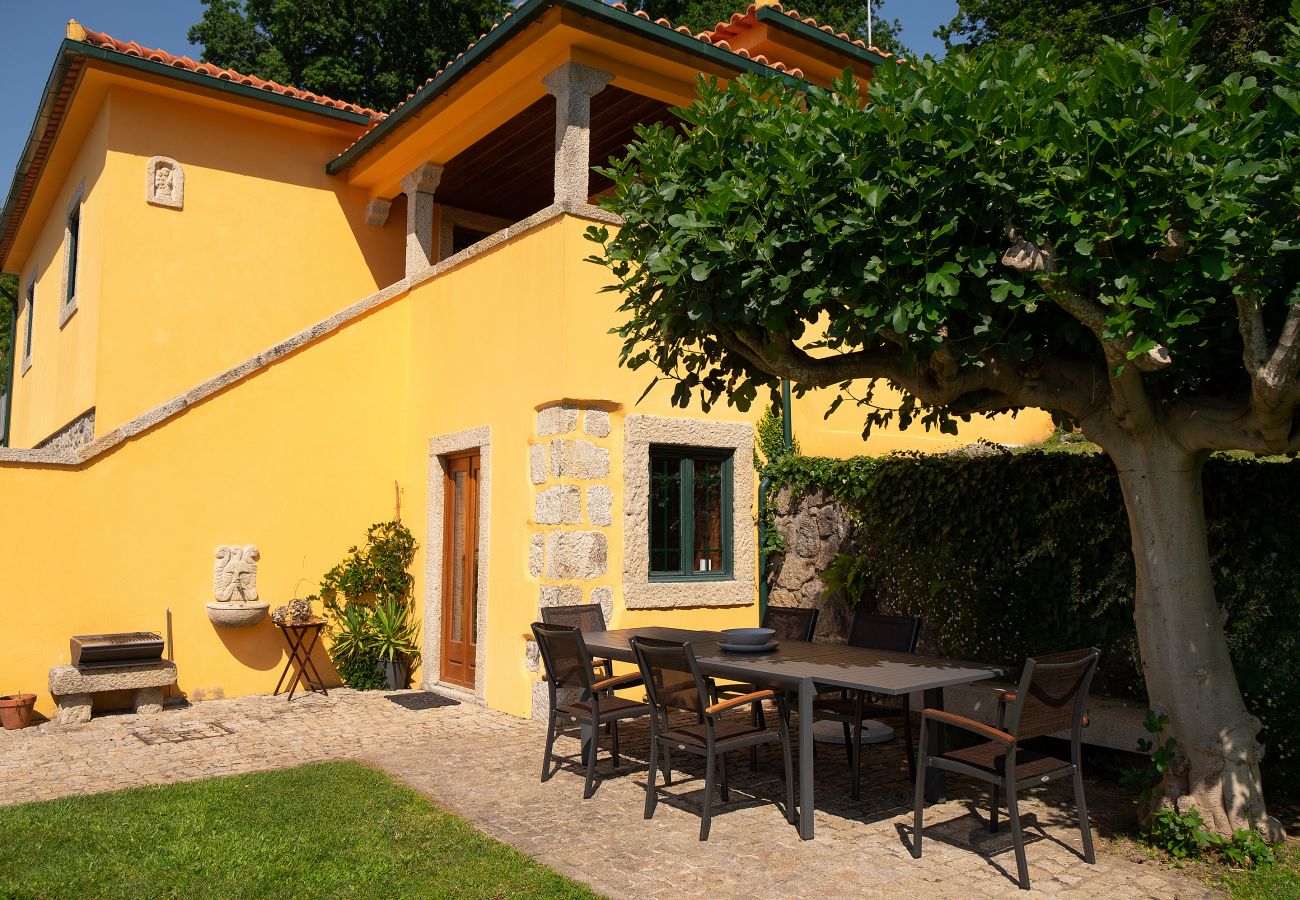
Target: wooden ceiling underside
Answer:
pixel 510 173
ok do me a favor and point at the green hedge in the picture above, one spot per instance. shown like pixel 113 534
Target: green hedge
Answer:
pixel 1010 555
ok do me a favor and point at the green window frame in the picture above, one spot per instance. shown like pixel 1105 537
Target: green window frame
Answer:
pixel 74 238
pixel 31 314
pixel 690 519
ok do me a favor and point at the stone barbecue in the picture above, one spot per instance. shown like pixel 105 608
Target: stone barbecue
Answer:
pixel 127 661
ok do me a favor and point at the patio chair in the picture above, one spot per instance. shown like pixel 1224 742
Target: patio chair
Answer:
pixel 569 666
pixel 586 616
pixel 1050 699
pixel 790 623
pixel 875 632
pixel 674 684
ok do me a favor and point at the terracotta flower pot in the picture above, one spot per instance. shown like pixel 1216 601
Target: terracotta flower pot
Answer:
pixel 16 710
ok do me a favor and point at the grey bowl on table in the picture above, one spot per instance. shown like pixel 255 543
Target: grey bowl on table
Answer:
pixel 747 635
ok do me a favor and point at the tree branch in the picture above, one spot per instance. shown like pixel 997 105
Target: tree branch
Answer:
pixel 1280 371
pixel 1130 402
pixel 1231 425
pixel 1267 419
pixel 1254 342
pixel 1092 316
pixel 783 358
pixel 1077 388
pixel 1027 257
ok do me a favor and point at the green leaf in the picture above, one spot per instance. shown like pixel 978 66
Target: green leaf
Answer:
pixel 875 195
pixel 1214 264
pixel 1239 168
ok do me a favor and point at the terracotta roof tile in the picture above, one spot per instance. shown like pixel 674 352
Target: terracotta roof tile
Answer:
pixel 131 48
pixel 740 22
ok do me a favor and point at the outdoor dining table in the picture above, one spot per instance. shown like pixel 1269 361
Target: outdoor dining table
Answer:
pixel 806 669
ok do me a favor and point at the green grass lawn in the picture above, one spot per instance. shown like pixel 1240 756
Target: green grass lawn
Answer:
pixel 1279 881
pixel 328 830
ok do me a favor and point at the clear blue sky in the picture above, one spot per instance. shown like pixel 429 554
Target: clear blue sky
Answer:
pixel 32 30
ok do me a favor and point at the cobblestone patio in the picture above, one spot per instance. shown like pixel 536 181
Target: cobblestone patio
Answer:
pixel 484 766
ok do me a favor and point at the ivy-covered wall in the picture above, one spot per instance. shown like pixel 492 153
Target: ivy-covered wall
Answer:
pixel 1009 555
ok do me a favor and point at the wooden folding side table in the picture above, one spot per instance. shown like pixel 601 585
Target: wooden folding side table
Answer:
pixel 301 638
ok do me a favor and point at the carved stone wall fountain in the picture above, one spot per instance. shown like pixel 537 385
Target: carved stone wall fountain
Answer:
pixel 234 585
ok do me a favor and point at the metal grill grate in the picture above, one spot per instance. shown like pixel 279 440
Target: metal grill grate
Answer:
pixel 122 648
pixel 126 637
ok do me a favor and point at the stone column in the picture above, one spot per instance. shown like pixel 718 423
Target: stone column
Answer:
pixel 421 242
pixel 573 85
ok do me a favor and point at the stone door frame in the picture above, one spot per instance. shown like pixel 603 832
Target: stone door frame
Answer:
pixel 440 447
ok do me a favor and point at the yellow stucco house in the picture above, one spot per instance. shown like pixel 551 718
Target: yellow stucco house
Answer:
pixel 253 315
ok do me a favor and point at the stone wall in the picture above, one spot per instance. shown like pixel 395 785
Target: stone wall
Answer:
pixel 77 433
pixel 573 497
pixel 815 529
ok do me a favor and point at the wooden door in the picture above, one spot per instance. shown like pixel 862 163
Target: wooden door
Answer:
pixel 460 568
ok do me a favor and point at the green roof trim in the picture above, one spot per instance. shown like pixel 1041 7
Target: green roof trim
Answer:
pixel 770 16
pixel 529 12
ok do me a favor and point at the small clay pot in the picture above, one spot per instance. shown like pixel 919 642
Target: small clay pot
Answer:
pixel 16 710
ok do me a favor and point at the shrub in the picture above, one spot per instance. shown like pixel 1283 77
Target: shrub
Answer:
pixel 1010 555
pixel 1185 836
pixel 366 602
pixel 361 673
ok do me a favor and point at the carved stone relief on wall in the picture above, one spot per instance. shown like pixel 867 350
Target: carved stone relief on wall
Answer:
pixel 164 183
pixel 234 576
pixel 234 585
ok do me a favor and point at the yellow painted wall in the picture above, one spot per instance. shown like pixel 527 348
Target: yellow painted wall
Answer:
pixel 478 336
pixel 266 245
pixel 60 385
pixel 299 460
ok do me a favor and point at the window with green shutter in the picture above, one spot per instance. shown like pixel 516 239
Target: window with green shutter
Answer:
pixel 690 521
pixel 74 238
pixel 31 314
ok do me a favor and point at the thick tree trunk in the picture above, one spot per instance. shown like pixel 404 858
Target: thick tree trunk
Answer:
pixel 1185 659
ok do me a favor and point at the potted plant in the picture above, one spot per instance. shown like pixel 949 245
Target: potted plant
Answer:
pixel 366 601
pixel 351 650
pixel 16 710
pixel 395 640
